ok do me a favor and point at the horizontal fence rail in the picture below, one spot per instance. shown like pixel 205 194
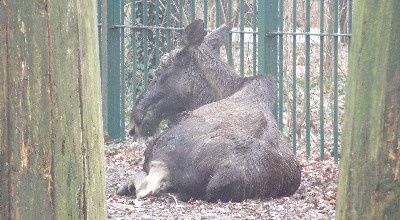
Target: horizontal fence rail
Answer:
pixel 305 44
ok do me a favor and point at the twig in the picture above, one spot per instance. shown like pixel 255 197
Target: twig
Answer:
pixel 174 197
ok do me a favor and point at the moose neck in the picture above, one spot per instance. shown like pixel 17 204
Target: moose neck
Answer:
pixel 221 78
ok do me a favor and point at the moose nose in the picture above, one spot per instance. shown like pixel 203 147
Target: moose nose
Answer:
pixel 131 129
pixel 132 132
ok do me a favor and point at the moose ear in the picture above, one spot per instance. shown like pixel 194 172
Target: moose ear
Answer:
pixel 194 33
pixel 218 37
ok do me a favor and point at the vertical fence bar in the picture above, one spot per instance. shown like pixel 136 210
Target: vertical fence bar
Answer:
pixel 350 20
pixel 321 81
pixel 229 48
pixel 157 32
pixel 281 56
pixel 335 83
pixel 254 58
pixel 217 13
pixel 192 10
pixel 114 70
pixel 307 87
pixel 145 44
pixel 168 23
pixel 134 52
pixel 122 19
pixel 205 17
pixel 241 34
pixel 262 32
pixel 294 77
pixel 271 42
pixel 181 3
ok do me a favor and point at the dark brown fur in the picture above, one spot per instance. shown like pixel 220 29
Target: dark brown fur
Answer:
pixel 229 150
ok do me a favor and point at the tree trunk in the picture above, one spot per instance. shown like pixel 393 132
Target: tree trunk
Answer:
pixel 51 156
pixel 369 185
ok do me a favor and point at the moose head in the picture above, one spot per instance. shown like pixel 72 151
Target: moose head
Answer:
pixel 188 77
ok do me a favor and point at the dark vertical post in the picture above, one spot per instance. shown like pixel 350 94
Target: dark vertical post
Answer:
pixel 321 81
pixel 122 64
pixel 294 77
pixel 307 81
pixel 335 83
pixel 157 33
pixel 135 83
pixel 217 13
pixel 205 13
pixel 113 38
pixel 268 41
pixel 192 10
pixel 168 23
pixel 281 56
pixel 229 48
pixel 254 28
pixel 145 44
pixel 241 34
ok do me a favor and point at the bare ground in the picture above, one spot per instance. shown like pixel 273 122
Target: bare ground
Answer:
pixel 315 199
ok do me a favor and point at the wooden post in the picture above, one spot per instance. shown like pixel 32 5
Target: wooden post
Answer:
pixel 51 138
pixel 369 185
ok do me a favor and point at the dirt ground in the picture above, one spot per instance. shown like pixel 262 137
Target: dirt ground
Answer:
pixel 315 199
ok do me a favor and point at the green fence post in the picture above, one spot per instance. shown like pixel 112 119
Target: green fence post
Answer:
pixel 280 74
pixel 115 130
pixel 241 35
pixel 335 82
pixel 294 76
pixel 254 28
pixel 268 41
pixel 192 10
pixel 145 44
pixel 229 48
pixel 168 23
pixel 135 83
pixel 321 82
pixel 122 71
pixel 307 81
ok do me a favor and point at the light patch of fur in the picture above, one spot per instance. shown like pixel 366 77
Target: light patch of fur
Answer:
pixel 157 181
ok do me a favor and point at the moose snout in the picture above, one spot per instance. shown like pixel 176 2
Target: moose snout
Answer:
pixel 131 130
pixel 143 123
pixel 135 120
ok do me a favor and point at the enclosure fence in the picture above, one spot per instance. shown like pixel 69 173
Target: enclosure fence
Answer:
pixel 304 43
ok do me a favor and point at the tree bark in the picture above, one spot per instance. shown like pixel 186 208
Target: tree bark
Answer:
pixel 51 156
pixel 369 185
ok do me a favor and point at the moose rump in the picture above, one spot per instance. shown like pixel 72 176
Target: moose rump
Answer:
pixel 229 150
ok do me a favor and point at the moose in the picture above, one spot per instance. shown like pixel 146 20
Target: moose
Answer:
pixel 227 150
pixel 188 77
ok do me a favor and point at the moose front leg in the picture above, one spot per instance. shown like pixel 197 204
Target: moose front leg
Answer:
pixel 129 188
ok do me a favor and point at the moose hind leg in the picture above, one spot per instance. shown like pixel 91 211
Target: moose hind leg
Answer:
pixel 223 188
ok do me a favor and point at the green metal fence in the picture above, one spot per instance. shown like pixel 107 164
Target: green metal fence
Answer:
pixel 305 43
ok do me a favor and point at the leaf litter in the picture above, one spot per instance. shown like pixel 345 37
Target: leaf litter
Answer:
pixel 315 198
